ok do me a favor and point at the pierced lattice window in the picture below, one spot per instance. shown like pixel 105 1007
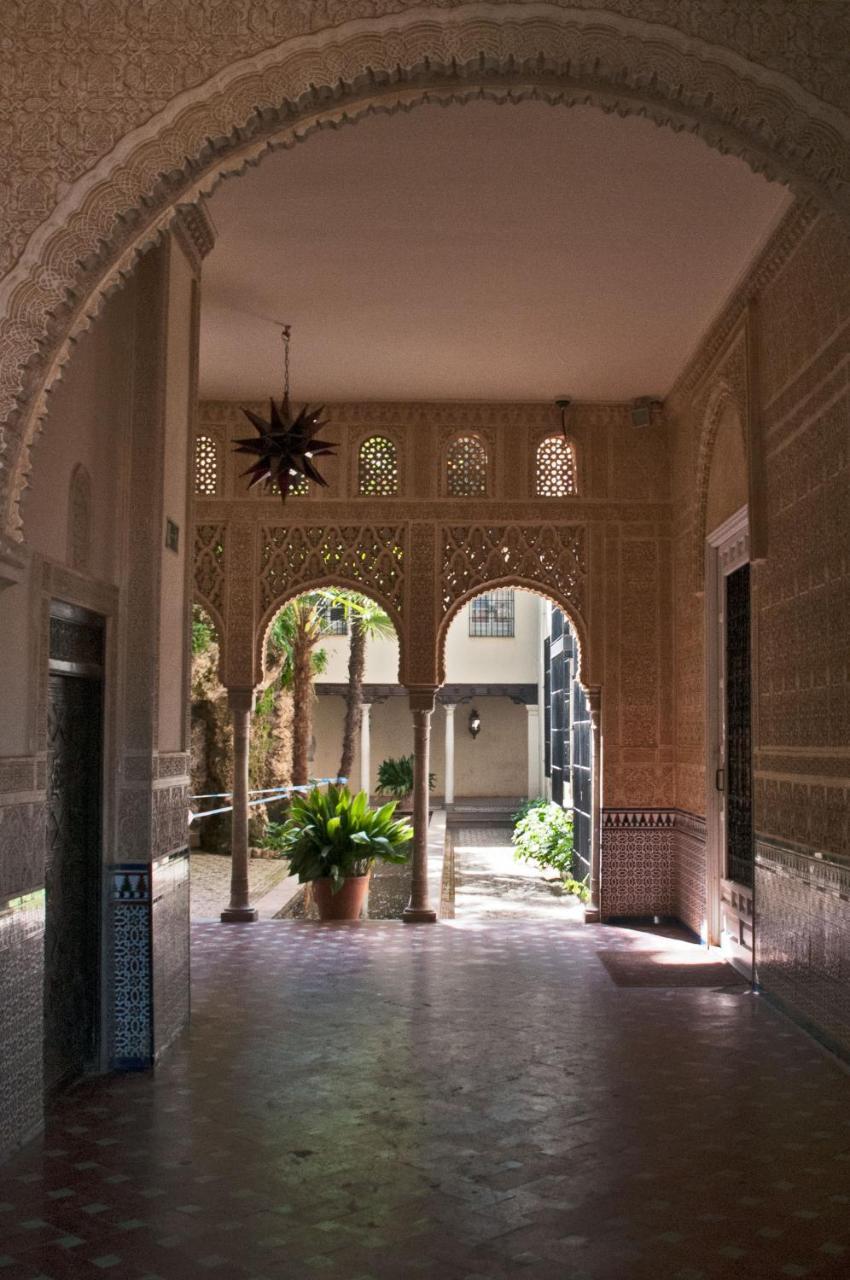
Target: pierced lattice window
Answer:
pixel 206 466
pixel 377 466
pixel 300 489
pixel 556 468
pixel 466 468
pixel 492 614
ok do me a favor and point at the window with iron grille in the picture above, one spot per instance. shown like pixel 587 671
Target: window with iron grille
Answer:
pixel 492 614
pixel 466 468
pixel 332 618
pixel 206 466
pixel 556 468
pixel 377 466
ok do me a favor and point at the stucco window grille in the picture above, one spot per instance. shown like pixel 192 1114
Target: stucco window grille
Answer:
pixel 492 614
pixel 377 467
pixel 466 468
pixel 206 466
pixel 332 618
pixel 556 468
pixel 298 490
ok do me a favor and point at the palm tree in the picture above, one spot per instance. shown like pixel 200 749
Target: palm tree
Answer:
pixel 292 641
pixel 367 620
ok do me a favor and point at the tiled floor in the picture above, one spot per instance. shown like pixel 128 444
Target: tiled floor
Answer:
pixel 489 881
pixel 472 1099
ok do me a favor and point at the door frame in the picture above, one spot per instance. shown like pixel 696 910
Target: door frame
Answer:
pixel 727 549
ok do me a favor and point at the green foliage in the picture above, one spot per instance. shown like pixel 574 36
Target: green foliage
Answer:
pixel 395 777
pixel 280 642
pixel 539 802
pixel 373 621
pixel 203 632
pixel 578 888
pixel 544 834
pixel 335 834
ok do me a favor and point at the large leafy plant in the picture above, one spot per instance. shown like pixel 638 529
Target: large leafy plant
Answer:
pixel 395 777
pixel 334 834
pixel 544 834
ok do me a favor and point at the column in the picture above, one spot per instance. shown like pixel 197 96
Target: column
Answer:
pixel 240 911
pixel 533 737
pixel 365 747
pixel 592 910
pixel 419 910
pixel 449 797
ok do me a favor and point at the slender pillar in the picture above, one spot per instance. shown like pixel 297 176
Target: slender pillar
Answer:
pixel 240 911
pixel 450 754
pixel 419 910
pixel 365 747
pixel 533 737
pixel 592 910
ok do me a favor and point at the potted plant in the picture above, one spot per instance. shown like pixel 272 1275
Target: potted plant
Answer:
pixel 395 778
pixel 332 839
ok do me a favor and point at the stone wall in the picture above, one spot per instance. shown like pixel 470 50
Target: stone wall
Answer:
pixel 779 354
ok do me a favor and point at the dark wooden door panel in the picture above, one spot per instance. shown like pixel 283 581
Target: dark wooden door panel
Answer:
pixel 72 878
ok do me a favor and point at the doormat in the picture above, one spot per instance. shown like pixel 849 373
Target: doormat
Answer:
pixel 660 969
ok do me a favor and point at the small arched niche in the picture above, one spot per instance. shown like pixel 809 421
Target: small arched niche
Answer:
pixel 727 477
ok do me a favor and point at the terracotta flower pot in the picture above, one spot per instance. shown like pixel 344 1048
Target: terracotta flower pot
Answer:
pixel 346 903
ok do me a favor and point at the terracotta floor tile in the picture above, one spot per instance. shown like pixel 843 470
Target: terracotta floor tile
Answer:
pixel 475 1101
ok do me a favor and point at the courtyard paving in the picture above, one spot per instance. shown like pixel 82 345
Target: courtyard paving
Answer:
pixel 488 880
pixel 461 1101
pixel 210 883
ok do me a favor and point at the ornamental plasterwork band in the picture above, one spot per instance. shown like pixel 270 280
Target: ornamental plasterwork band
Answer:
pixel 276 97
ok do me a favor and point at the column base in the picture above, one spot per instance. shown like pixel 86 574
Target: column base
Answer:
pixel 592 915
pixel 239 915
pixel 419 915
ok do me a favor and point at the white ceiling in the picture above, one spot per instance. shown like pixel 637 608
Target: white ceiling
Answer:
pixel 489 252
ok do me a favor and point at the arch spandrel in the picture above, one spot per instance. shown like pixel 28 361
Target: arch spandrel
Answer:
pixel 386 63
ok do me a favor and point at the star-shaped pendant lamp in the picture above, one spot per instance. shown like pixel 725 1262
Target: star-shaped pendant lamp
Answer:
pixel 285 446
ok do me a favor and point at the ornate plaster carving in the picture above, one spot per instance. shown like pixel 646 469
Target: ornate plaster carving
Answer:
pixel 90 238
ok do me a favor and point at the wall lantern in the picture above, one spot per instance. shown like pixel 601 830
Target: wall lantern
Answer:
pixel 474 723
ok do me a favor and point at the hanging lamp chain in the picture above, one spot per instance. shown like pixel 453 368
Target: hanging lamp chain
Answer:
pixel 286 336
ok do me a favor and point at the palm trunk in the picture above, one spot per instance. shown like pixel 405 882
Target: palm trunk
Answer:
pixel 302 702
pixel 353 696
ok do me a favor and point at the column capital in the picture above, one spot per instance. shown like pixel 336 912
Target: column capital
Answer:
pixel 240 699
pixel 421 697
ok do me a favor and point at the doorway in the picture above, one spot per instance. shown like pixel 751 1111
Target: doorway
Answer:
pixel 729 757
pixel 73 853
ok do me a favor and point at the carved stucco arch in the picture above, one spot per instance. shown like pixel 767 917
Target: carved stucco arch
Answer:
pixel 516 583
pixel 721 396
pixel 505 52
pixel 302 589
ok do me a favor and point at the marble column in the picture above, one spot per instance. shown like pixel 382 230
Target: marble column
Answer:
pixel 449 797
pixel 533 750
pixel 419 910
pixel 240 911
pixel 592 911
pixel 365 747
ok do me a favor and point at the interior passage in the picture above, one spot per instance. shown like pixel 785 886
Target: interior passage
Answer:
pixel 480 1099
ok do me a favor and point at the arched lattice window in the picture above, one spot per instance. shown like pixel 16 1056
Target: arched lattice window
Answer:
pixel 206 466
pixel 377 466
pixel 556 468
pixel 466 468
